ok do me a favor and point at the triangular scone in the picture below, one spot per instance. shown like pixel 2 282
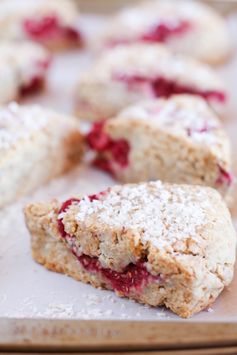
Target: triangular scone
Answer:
pixel 36 145
pixel 129 74
pixel 176 140
pixel 158 244
pixel 184 26
pixel 53 23
pixel 23 69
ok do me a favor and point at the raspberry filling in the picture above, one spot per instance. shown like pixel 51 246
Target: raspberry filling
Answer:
pixel 44 29
pixel 37 81
pixel 224 178
pixel 67 204
pixel 63 209
pixel 34 86
pixel 162 87
pixel 134 276
pixel 162 31
pixel 104 164
pixel 111 153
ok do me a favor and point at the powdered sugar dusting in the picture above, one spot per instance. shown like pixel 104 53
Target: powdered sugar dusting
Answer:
pixel 161 214
pixel 182 115
pixel 19 122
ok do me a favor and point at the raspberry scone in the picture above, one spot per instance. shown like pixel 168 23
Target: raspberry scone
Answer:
pixel 185 26
pixel 23 69
pixel 125 75
pixel 50 22
pixel 158 244
pixel 36 145
pixel 176 140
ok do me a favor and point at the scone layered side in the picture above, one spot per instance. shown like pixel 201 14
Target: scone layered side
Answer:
pixel 186 277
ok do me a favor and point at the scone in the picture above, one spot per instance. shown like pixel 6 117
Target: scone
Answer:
pixel 158 244
pixel 23 69
pixel 185 26
pixel 36 145
pixel 50 22
pixel 128 74
pixel 176 140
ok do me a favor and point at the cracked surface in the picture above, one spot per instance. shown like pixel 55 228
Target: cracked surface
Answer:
pixel 184 233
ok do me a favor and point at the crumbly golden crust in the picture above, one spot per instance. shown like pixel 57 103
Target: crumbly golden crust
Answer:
pixel 194 252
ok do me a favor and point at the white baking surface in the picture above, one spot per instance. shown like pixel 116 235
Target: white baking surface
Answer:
pixel 26 288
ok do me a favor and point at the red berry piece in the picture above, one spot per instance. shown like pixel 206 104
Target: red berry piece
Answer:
pixel 63 208
pixel 162 31
pixel 120 151
pixel 97 139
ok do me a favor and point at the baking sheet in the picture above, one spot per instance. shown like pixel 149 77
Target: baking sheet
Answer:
pixel 27 290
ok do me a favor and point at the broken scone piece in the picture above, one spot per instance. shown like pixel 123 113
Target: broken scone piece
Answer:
pixel 36 145
pixel 158 244
pixel 176 140
pixel 128 74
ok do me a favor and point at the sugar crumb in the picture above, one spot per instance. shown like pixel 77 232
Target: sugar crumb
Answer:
pixel 161 214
